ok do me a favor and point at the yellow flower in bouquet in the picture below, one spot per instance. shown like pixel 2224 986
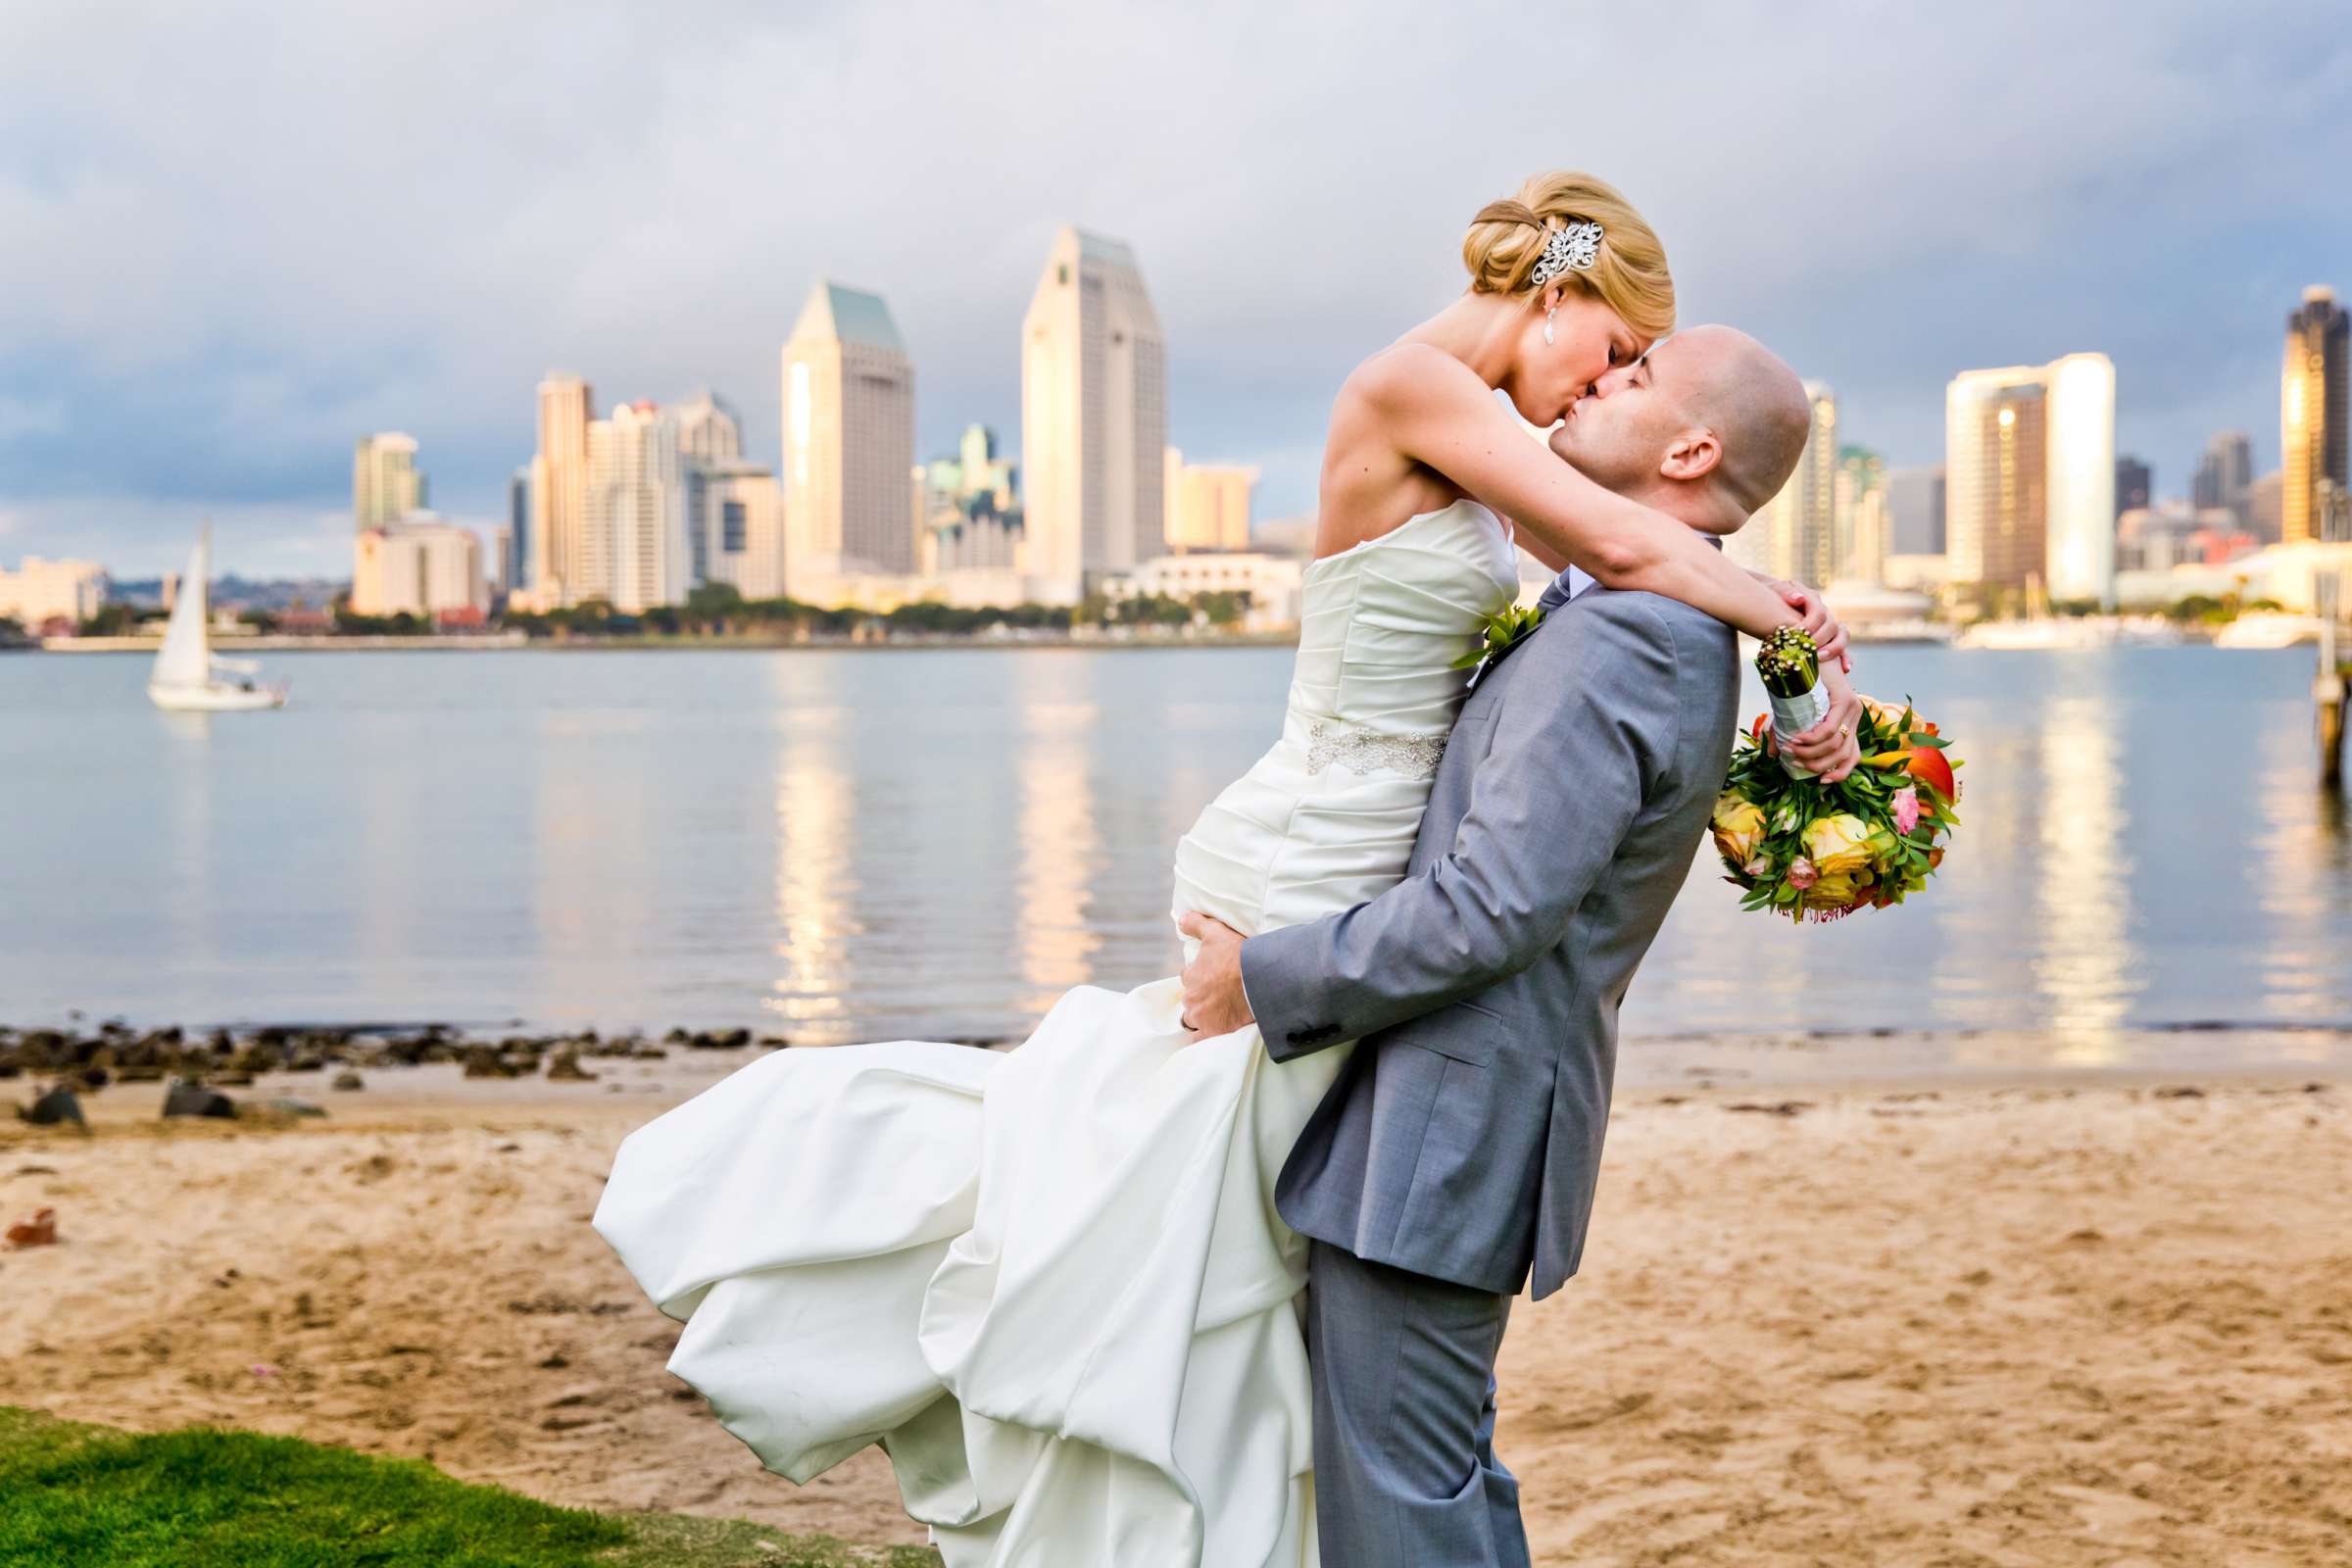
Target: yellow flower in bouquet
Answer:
pixel 1739 824
pixel 1839 846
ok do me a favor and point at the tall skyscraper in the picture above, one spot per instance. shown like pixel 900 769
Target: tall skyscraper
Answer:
pixel 2135 485
pixel 1094 419
pixel 1794 534
pixel 559 485
pixel 1208 504
pixel 1863 527
pixel 515 568
pixel 1915 512
pixel 2030 457
pixel 848 439
pixel 634 551
pixel 2313 408
pixel 386 485
pixel 2224 474
pixel 707 430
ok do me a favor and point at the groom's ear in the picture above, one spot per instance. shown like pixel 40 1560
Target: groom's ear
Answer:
pixel 1693 455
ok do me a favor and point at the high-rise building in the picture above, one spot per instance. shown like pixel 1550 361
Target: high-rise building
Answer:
pixel 501 563
pixel 1795 534
pixel 738 522
pixel 1207 505
pixel 421 566
pixel 2029 460
pixel 2224 474
pixel 515 567
pixel 2135 485
pixel 1915 512
pixel 41 591
pixel 707 430
pixel 1094 419
pixel 2313 408
pixel 1864 529
pixel 634 553
pixel 2266 507
pixel 386 485
pixel 559 487
pixel 848 439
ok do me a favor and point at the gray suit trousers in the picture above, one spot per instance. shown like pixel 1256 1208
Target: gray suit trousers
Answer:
pixel 1404 1394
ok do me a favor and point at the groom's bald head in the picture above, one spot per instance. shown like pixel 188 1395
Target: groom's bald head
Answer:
pixel 1707 426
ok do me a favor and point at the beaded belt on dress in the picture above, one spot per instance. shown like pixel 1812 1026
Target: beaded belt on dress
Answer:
pixel 1372 751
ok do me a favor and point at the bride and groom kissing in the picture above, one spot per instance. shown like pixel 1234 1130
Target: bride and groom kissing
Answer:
pixel 1214 1272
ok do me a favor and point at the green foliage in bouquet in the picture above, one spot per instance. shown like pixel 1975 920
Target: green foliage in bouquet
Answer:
pixel 1810 849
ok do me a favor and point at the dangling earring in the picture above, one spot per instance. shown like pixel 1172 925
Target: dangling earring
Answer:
pixel 1547 315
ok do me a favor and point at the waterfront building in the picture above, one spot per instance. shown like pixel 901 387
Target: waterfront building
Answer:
pixel 500 560
pixel 2266 507
pixel 559 492
pixel 2029 465
pixel 2313 409
pixel 1864 531
pixel 41 591
pixel 515 568
pixel 849 442
pixel 2224 474
pixel 635 553
pixel 1272 584
pixel 737 519
pixel 421 566
pixel 1795 534
pixel 1208 504
pixel 386 485
pixel 2135 485
pixel 1094 419
pixel 709 430
pixel 1915 512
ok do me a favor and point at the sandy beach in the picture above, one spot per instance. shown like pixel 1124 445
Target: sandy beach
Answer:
pixel 2091 1321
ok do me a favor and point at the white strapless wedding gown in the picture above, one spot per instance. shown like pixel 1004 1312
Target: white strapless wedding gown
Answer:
pixel 1050 1282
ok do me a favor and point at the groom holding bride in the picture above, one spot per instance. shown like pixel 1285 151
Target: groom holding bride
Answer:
pixel 1050 1283
pixel 1459 1149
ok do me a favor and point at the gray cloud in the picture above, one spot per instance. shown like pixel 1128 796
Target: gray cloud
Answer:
pixel 237 237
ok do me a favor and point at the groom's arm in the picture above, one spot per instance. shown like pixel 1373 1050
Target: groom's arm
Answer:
pixel 1580 737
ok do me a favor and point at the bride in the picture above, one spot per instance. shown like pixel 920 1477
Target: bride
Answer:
pixel 1050 1283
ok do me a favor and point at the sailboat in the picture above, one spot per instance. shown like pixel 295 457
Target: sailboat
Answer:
pixel 188 676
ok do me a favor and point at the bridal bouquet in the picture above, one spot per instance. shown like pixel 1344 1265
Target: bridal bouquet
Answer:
pixel 1813 850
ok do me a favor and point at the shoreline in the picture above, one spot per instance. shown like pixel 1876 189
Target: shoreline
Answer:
pixel 235 1056
pixel 2039 1325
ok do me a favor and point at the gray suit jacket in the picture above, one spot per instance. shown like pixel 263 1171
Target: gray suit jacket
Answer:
pixel 1463 1139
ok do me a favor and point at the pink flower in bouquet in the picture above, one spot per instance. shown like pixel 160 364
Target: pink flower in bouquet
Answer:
pixel 1801 874
pixel 1906 810
pixel 1761 866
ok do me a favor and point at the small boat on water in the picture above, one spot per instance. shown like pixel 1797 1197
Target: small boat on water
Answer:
pixel 188 676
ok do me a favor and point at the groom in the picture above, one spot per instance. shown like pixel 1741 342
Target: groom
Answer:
pixel 1459 1149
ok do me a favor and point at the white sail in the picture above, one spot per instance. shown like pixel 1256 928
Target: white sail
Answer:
pixel 185 659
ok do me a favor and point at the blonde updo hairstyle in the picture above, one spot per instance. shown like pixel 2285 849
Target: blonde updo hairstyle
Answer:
pixel 1507 240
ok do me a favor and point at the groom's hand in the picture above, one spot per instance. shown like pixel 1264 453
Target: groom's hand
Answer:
pixel 1214 1003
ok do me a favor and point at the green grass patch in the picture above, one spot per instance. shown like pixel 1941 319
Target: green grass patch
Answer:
pixel 75 1494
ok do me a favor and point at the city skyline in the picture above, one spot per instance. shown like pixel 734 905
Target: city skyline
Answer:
pixel 165 357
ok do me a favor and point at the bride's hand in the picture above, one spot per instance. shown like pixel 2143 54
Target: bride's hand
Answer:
pixel 1829 748
pixel 1214 1003
pixel 1829 637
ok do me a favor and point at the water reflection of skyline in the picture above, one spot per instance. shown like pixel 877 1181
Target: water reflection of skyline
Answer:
pixel 849 846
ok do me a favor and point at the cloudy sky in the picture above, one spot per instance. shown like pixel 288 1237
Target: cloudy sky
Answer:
pixel 233 237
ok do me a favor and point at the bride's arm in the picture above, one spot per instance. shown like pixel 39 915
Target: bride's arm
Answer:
pixel 1439 414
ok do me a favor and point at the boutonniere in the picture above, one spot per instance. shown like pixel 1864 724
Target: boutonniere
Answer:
pixel 1505 629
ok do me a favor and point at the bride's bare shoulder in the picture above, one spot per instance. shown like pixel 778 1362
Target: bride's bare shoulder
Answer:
pixel 1407 374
